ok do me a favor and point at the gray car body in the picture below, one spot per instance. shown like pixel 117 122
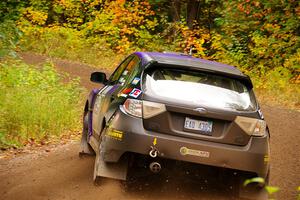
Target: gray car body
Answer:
pixel 228 149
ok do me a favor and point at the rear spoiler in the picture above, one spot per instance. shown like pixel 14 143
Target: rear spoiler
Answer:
pixel 245 79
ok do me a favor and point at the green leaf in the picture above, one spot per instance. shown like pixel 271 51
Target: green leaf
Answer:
pixel 219 21
pixel 254 180
pixel 271 189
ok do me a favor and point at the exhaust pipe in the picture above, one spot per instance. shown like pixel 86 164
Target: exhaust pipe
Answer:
pixel 155 167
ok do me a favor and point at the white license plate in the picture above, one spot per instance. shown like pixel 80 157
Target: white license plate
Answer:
pixel 198 125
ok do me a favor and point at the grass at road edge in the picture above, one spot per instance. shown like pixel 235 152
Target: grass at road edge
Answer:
pixel 35 105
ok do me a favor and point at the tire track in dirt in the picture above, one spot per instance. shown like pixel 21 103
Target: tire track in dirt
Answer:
pixel 61 174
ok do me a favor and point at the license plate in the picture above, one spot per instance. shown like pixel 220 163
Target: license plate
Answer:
pixel 198 125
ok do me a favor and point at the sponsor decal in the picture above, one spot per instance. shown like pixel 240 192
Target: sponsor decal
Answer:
pixel 185 151
pixel 122 80
pixel 127 90
pixel 115 134
pixel 125 72
pixel 135 93
pixel 135 81
pixel 124 93
pixel 266 158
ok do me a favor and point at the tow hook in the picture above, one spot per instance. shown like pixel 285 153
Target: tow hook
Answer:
pixel 153 152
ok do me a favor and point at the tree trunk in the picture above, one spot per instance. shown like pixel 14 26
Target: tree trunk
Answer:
pixel 192 12
pixel 175 10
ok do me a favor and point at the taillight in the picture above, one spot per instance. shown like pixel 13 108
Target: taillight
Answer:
pixel 151 109
pixel 251 126
pixel 133 107
pixel 146 109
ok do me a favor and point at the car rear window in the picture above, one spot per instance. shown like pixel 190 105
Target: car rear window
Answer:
pixel 207 89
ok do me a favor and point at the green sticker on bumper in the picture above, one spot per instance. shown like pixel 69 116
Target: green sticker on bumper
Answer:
pixel 185 151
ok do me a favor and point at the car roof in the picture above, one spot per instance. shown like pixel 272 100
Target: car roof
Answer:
pixel 185 60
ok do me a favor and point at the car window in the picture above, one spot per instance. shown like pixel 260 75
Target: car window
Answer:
pixel 130 71
pixel 119 71
pixel 199 87
pixel 199 77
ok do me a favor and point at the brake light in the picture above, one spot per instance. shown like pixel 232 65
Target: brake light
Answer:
pixel 251 126
pixel 146 109
pixel 133 107
pixel 151 109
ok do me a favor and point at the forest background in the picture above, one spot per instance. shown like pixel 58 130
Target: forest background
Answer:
pixel 260 37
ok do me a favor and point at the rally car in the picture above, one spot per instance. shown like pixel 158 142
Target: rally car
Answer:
pixel 174 106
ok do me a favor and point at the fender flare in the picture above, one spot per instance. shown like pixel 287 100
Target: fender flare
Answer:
pixel 88 108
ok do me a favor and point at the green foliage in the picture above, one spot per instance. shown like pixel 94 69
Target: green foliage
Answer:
pixel 275 86
pixel 10 9
pixel 9 37
pixel 271 189
pixel 254 180
pixel 35 104
pixel 125 24
pixel 68 43
pixel 258 180
pixel 259 33
pixel 260 37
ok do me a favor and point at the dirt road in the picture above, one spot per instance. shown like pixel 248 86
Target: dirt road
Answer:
pixel 61 174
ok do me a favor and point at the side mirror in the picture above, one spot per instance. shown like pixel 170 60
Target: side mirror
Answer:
pixel 98 77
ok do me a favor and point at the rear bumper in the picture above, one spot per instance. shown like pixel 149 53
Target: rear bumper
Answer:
pixel 134 138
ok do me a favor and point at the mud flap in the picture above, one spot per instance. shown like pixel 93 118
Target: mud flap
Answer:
pixel 85 148
pixel 110 170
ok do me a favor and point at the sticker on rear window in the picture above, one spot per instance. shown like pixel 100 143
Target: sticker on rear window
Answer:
pixel 126 90
pixel 135 81
pixel 135 93
pixel 124 93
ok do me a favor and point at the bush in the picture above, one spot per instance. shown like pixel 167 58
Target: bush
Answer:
pixel 68 43
pixel 9 37
pixel 35 104
pixel 126 25
pixel 258 37
pixel 276 87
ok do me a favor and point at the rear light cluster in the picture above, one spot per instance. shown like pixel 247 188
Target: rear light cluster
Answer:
pixel 251 126
pixel 145 109
pixel 151 109
pixel 133 107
